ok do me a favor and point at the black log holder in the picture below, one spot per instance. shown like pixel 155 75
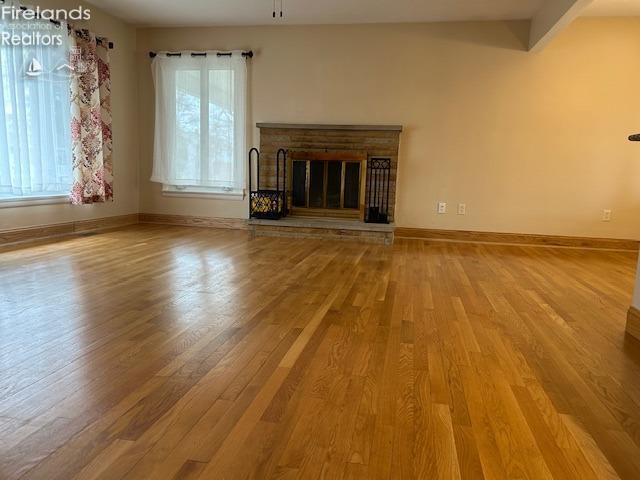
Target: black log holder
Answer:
pixel 268 203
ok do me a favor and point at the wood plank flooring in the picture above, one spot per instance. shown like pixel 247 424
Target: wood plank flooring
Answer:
pixel 156 352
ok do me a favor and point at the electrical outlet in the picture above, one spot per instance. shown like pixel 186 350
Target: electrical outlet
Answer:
pixel 442 207
pixel 606 215
pixel 462 209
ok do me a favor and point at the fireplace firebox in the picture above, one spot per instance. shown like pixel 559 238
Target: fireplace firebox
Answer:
pixel 327 183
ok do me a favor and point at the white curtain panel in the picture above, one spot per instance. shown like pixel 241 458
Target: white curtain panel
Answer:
pixel 200 120
pixel 35 146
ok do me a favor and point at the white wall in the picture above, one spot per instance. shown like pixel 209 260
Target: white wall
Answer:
pixel 532 143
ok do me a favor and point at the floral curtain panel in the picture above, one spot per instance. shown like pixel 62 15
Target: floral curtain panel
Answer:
pixel 91 119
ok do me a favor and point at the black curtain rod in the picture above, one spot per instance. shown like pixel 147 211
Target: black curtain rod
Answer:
pixel 78 32
pixel 248 54
pixel 57 23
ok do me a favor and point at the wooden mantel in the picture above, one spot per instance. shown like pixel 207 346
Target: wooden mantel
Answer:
pixel 315 126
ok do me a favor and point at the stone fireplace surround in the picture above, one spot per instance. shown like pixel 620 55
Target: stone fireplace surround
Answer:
pixel 373 140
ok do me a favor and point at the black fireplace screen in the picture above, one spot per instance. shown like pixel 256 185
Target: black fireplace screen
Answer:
pixel 378 180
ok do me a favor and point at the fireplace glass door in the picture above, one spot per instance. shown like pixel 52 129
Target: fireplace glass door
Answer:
pixel 325 185
pixel 316 184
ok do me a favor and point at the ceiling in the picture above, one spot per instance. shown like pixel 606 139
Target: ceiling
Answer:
pixel 304 12
pixel 259 12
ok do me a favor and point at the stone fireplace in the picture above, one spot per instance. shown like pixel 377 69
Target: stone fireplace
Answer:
pixel 327 183
pixel 329 167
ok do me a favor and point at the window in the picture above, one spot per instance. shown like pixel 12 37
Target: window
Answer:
pixel 35 147
pixel 200 123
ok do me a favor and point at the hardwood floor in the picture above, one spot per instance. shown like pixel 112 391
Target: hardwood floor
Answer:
pixel 157 352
